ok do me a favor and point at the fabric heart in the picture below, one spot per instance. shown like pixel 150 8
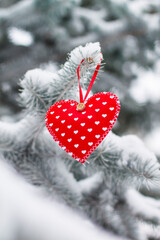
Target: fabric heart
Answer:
pixel 80 132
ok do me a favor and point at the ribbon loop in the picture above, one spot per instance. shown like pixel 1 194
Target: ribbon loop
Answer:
pixel 91 83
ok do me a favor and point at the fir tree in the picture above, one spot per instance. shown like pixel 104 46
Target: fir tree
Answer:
pixel 127 30
pixel 106 191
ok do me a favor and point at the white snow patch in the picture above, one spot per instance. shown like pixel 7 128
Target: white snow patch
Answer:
pixel 150 231
pixel 140 205
pixel 131 145
pixel 87 185
pixel 96 20
pixel 152 21
pixel 20 37
pixel 146 87
pixel 90 50
pixel 50 67
pixel 138 7
pixel 157 65
pixel 152 140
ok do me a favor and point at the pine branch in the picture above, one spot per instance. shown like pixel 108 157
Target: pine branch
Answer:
pixel 41 89
pixel 143 207
pixel 128 158
pixel 26 213
pixel 18 10
pixel 11 134
pixel 118 164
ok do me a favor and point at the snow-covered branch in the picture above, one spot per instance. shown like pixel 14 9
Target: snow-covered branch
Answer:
pixel 18 10
pixel 144 208
pixel 41 88
pixel 27 214
pixel 102 190
pixel 12 133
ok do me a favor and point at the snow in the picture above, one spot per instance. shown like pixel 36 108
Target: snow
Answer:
pixel 23 207
pixel 157 64
pixel 50 67
pixel 150 231
pixel 138 7
pixel 119 1
pixel 152 21
pixel 141 206
pixel 90 50
pixel 152 140
pixel 91 183
pixel 95 20
pixel 37 76
pixel 20 37
pixel 146 88
pixel 134 146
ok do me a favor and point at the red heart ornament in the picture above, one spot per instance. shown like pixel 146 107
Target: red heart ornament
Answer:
pixel 80 133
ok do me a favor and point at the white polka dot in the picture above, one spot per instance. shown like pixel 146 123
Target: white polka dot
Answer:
pixel 90 143
pixel 63 121
pixel 51 112
pixel 69 126
pixel 57 117
pixel 97 99
pixel 64 110
pixel 46 119
pixel 83 151
pixel 59 106
pixel 76 145
pixel 83 137
pixel 56 129
pixel 97 136
pixel 51 124
pixel 90 116
pixel 111 108
pixel 97 122
pixel 84 112
pixel 76 131
pixel 89 129
pixel 62 134
pixel 104 128
pixel 69 139
pixel 97 110
pixel 104 103
pixel 75 119
pixel 112 121
pixel 72 104
pixel 111 96
pixel 90 105
pixel 82 124
pixel 70 114
pixel 63 148
pixel 104 115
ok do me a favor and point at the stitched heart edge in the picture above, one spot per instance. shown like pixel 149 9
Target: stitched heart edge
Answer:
pixel 102 137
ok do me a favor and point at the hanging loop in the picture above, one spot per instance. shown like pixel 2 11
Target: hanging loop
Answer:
pixel 81 105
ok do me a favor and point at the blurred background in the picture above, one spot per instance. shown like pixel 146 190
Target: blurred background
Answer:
pixel 39 34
